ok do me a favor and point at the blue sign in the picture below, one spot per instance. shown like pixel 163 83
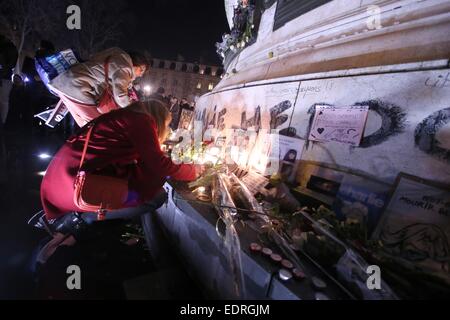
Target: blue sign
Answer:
pixel 361 200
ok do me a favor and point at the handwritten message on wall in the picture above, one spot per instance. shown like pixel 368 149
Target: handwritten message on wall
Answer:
pixel 340 124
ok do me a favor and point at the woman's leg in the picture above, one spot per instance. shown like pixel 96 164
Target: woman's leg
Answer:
pixel 129 213
pixel 73 227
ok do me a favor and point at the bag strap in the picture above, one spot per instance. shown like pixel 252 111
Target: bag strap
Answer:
pixel 88 136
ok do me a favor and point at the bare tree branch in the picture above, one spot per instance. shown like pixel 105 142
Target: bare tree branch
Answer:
pixel 25 22
pixel 22 21
pixel 101 25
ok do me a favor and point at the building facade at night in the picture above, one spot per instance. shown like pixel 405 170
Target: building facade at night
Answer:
pixel 182 79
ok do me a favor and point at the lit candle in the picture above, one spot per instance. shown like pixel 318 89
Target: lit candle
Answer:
pixel 202 194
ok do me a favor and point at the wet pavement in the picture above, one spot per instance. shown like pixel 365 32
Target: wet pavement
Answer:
pixel 111 267
pixel 19 198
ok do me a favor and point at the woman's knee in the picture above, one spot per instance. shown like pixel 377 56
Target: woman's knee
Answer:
pixel 157 200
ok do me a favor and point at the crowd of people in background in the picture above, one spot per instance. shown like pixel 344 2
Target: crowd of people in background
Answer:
pixel 175 104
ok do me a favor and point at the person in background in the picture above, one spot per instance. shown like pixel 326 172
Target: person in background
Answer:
pixel 174 110
pixel 160 95
pixel 81 88
pixel 5 89
pixel 46 48
pixel 172 102
pixel 125 143
pixel 160 92
pixel 184 103
pixel 18 118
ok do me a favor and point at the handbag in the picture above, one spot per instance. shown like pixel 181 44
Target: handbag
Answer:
pixel 107 102
pixel 98 193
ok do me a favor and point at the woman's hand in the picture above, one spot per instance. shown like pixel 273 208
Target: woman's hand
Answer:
pixel 199 170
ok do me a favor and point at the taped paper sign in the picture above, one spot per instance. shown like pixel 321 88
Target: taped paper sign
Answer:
pixel 340 124
pixel 415 227
pixel 186 117
pixel 290 154
pixel 362 200
pixel 53 116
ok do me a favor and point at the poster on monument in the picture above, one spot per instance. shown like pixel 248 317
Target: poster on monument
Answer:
pixel 340 124
pixel 415 226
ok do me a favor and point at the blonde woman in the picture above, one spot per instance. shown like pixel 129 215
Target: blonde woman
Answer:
pixel 124 143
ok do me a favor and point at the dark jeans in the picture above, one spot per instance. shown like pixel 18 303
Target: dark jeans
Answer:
pixel 130 213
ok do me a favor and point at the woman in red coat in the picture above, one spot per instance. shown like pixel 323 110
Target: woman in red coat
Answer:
pixel 124 143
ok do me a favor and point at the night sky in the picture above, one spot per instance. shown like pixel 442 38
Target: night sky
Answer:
pixel 170 27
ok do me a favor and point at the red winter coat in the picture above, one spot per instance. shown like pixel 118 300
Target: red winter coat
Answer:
pixel 117 140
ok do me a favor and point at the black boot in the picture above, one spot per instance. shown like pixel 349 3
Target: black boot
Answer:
pixel 73 224
pixel 40 221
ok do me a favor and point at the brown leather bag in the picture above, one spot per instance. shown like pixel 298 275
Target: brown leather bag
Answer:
pixel 97 193
pixel 107 102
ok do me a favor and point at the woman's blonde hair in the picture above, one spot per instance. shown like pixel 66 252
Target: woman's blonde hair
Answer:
pixel 159 111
